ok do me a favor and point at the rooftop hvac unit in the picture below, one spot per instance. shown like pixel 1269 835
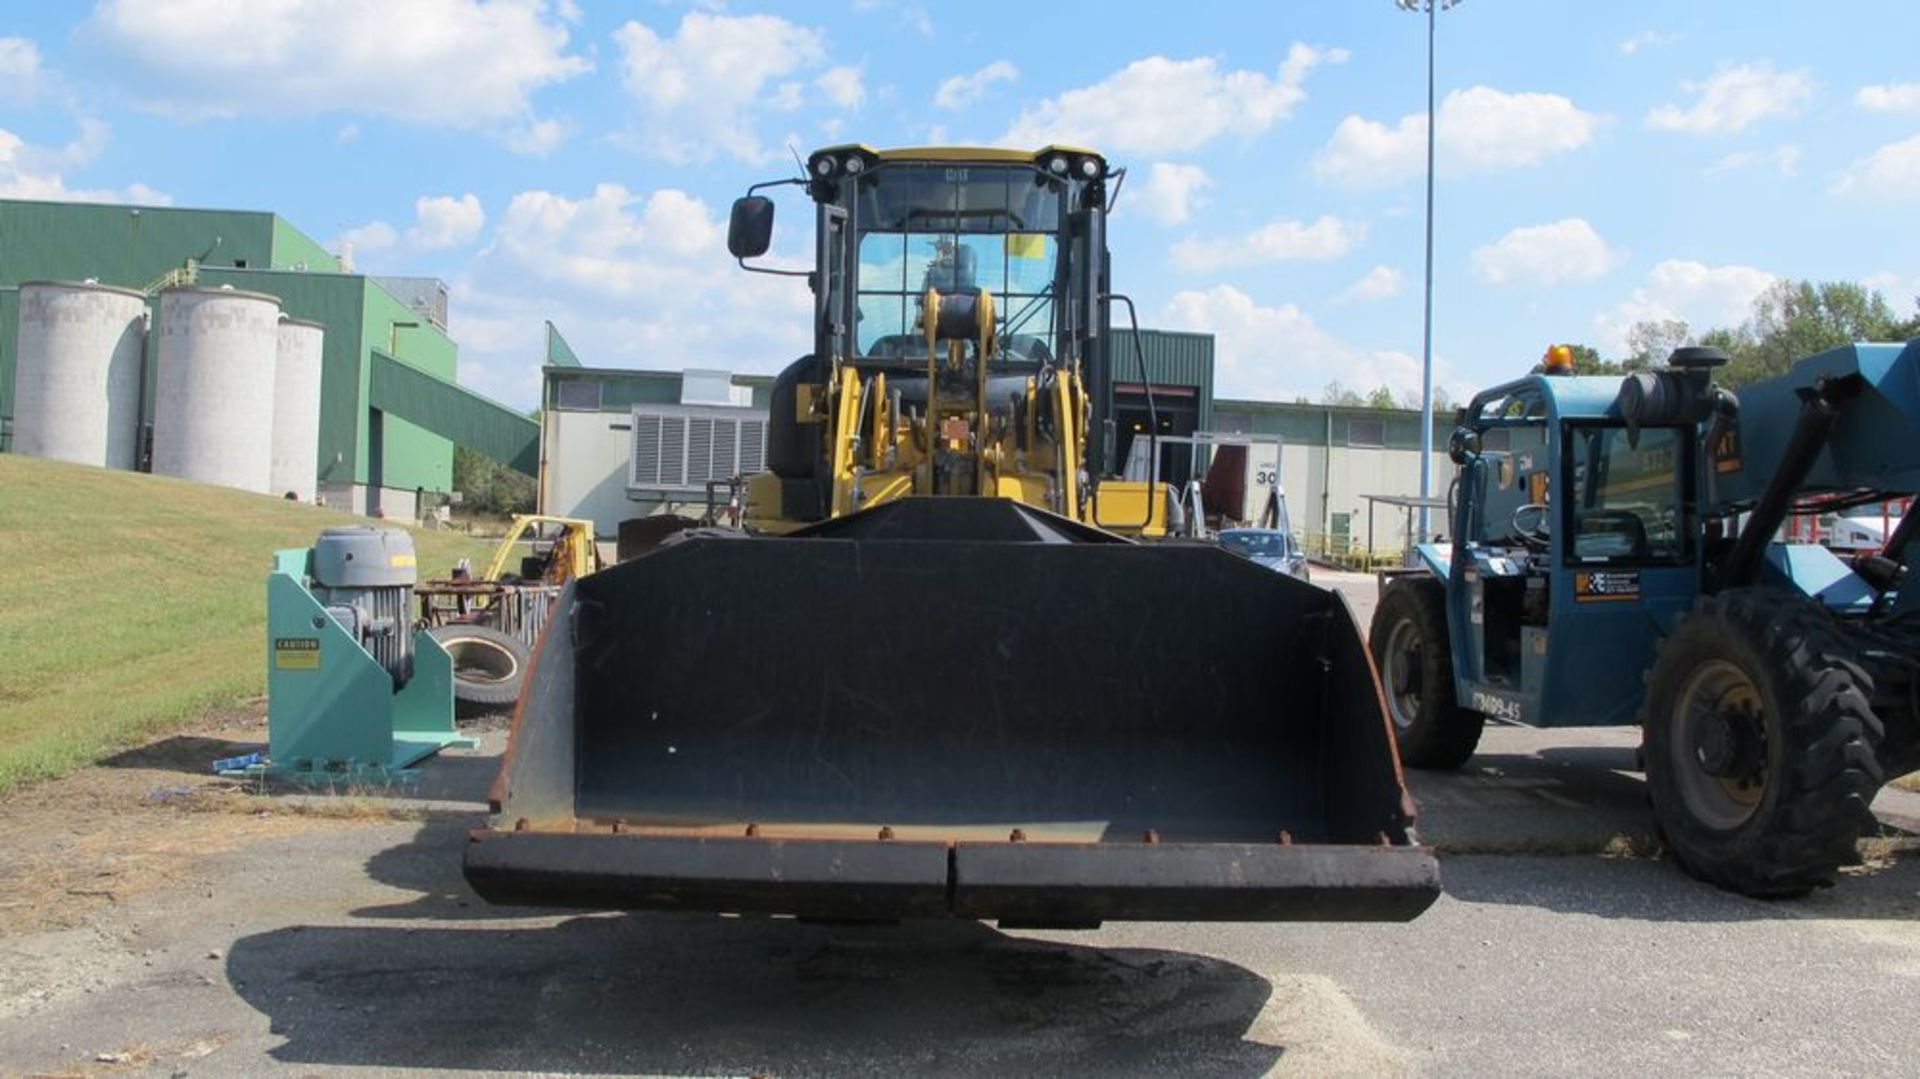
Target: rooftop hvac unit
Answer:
pixel 683 447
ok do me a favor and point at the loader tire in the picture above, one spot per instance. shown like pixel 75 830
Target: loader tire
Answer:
pixel 1411 650
pixel 1760 743
pixel 488 667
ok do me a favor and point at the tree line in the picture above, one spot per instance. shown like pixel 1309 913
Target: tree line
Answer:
pixel 1789 321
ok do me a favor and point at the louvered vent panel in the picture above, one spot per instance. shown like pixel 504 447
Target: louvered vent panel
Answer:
pixel 673 451
pixel 726 445
pixel 646 452
pixel 700 442
pixel 753 446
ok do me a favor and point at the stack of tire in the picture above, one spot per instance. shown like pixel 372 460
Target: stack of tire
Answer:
pixel 488 667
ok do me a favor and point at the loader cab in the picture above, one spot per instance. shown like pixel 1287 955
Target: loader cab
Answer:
pixel 890 225
pixel 1577 548
pixel 1020 232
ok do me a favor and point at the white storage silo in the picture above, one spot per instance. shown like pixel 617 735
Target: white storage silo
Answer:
pixel 78 373
pixel 213 391
pixel 296 408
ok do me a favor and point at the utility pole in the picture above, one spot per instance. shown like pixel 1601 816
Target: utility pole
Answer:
pixel 1430 8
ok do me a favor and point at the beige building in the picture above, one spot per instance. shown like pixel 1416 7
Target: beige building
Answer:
pixel 617 444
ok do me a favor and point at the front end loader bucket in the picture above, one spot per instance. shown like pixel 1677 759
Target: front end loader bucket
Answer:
pixel 953 707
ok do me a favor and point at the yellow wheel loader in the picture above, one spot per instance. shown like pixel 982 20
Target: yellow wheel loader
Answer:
pixel 929 679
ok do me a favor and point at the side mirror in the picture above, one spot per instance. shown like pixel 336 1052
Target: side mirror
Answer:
pixel 1463 445
pixel 750 229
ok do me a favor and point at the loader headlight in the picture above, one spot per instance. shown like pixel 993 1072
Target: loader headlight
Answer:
pixel 1089 168
pixel 1057 165
pixel 854 165
pixel 823 166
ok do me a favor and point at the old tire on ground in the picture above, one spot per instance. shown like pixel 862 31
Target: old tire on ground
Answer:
pixel 1410 647
pixel 488 667
pixel 1760 744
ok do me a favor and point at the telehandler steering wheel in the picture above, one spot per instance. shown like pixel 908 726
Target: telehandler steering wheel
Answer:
pixel 1539 534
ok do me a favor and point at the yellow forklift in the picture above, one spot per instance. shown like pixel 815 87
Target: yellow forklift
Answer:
pixel 489 623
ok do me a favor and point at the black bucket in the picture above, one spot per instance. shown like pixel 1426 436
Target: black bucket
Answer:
pixel 1011 678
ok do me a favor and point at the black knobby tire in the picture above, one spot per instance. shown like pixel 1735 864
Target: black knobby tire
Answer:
pixel 1801 795
pixel 1411 650
pixel 488 666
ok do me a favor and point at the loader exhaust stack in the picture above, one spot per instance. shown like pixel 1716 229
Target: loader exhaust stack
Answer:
pixel 953 707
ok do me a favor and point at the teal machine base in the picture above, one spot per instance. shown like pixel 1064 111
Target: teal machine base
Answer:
pixel 333 714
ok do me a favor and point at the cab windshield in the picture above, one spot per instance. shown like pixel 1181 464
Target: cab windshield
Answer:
pixel 1627 500
pixel 953 228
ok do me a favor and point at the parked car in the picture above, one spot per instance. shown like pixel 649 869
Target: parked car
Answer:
pixel 1270 547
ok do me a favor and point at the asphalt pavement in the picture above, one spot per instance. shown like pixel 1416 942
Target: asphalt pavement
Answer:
pixel 1563 945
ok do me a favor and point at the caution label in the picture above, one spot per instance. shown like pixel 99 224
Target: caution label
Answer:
pixel 1597 586
pixel 296 653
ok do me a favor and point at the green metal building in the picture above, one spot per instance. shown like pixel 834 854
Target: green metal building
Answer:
pixel 390 410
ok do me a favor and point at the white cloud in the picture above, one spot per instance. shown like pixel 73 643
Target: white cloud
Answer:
pixel 349 132
pixel 1647 39
pixel 440 221
pixel 1700 295
pixel 1899 289
pixel 1279 353
pixel 842 86
pixel 467 64
pixel 445 221
pixel 1481 130
pixel 1565 250
pixel 1891 172
pixel 1376 284
pixel 1157 105
pixel 20 72
pixel 634 279
pixel 961 91
pixel 1326 237
pixel 1785 160
pixel 911 15
pixel 613 242
pixel 28 171
pixel 1889 97
pixel 537 138
pixel 364 240
pixel 700 88
pixel 1172 191
pixel 1735 98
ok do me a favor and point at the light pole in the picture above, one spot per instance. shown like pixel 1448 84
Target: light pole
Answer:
pixel 1431 9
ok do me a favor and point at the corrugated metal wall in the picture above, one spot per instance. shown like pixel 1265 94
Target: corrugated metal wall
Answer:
pixel 1308 423
pixel 124 245
pixel 1173 358
pixel 454 413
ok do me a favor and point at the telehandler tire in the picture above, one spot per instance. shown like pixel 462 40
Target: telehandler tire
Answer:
pixel 1415 660
pixel 1760 744
pixel 488 667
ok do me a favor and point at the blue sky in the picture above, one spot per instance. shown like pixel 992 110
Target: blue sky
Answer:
pixel 1599 163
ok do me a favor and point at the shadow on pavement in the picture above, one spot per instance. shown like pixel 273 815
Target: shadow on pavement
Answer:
pixel 682 994
pixel 429 865
pixel 1657 889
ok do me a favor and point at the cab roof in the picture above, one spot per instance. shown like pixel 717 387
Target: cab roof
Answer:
pixel 962 153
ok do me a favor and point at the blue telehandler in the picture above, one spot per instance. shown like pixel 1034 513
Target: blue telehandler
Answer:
pixel 1614 559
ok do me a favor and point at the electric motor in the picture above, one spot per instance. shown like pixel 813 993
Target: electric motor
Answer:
pixel 364 577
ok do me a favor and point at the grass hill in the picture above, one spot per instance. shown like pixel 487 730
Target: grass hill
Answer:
pixel 131 602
